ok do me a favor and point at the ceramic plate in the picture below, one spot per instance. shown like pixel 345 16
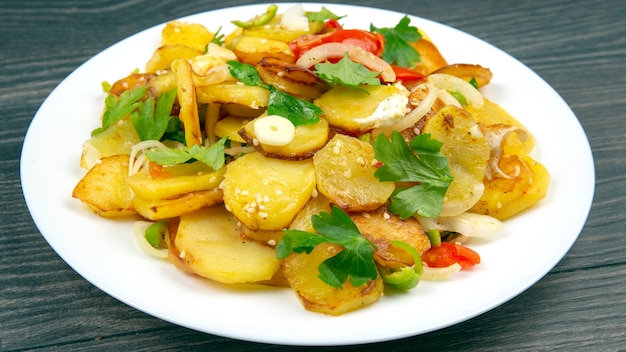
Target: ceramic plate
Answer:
pixel 104 252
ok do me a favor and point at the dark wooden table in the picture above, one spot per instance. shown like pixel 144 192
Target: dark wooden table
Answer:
pixel 579 47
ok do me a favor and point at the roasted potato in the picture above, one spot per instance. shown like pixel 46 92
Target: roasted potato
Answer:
pixel 115 140
pixel 104 188
pixel 161 209
pixel 251 50
pixel 265 193
pixel 193 35
pixel 233 93
pixel 163 57
pixel 208 244
pixel 344 170
pixel 301 271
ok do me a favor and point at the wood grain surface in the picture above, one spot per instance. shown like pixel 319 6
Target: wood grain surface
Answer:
pixel 578 47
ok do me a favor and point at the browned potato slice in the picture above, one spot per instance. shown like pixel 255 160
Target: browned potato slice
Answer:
pixel 181 179
pixel 431 58
pixel 467 151
pixel 193 35
pixel 104 188
pixel 251 50
pixel 291 78
pixel 344 169
pixel 129 82
pixel 268 238
pixel 504 197
pixel 265 193
pixel 482 75
pixel 382 227
pixel 186 92
pixel 115 140
pixel 307 140
pixel 169 208
pixel 233 93
pixel 162 83
pixel 350 109
pixel 208 244
pixel 301 271
pixel 163 57
pixel 490 114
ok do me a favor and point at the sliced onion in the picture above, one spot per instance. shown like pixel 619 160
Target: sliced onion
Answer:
pixel 425 105
pixel 328 51
pixel 139 228
pixel 468 224
pixel 455 84
pixel 294 19
pixel 435 274
pixel 496 134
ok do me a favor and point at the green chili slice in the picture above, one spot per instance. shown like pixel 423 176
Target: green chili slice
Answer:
pixel 259 20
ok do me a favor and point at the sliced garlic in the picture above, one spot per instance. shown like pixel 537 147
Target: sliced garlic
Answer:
pixel 274 130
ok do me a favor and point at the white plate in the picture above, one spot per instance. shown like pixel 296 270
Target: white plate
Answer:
pixel 104 251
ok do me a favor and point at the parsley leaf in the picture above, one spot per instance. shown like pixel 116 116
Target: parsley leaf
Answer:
pixel 117 108
pixel 398 49
pixel 151 123
pixel 298 111
pixel 212 156
pixel 347 73
pixel 355 262
pixel 322 15
pixel 420 161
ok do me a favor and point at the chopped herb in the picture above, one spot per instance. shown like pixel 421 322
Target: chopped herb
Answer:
pixel 106 86
pixel 174 131
pixel 117 108
pixel 151 122
pixel 355 262
pixel 474 82
pixel 347 73
pixel 459 97
pixel 420 161
pixel 218 38
pixel 398 49
pixel 213 156
pixel 298 111
pixel 322 15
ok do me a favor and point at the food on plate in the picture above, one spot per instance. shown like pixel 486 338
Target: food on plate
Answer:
pixel 294 152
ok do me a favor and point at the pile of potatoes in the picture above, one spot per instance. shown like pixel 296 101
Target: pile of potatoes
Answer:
pixel 224 224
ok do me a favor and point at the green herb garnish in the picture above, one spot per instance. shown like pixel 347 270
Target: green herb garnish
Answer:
pixel 398 49
pixel 118 107
pixel 213 156
pixel 298 111
pixel 355 262
pixel 151 122
pixel 420 161
pixel 347 73
pixel 218 38
pixel 322 15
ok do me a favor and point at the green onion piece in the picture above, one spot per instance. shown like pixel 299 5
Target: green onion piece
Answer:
pixel 435 237
pixel 409 276
pixel 460 97
pixel 259 20
pixel 473 82
pixel 155 233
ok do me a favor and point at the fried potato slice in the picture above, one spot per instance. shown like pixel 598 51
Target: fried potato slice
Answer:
pixel 251 50
pixel 291 78
pixel 301 271
pixel 186 92
pixel 193 35
pixel 208 244
pixel 161 209
pixel 163 57
pixel 104 188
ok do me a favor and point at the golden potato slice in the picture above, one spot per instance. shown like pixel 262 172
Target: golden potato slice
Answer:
pixel 490 114
pixel 265 193
pixel 233 93
pixel 193 35
pixel 381 227
pixel 251 50
pixel 431 58
pixel 130 82
pixel 230 126
pixel 344 169
pixel 115 140
pixel 169 208
pixel 208 244
pixel 104 188
pixel 353 111
pixel 180 179
pixel 505 197
pixel 163 57
pixel 308 139
pixel 301 271
pixel 291 78
pixel 316 205
pixel 467 72
pixel 467 151
pixel 268 238
pixel 186 93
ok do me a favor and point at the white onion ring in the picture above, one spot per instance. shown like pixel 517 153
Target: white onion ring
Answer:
pixel 139 228
pixel 327 51
pixel 452 83
pixel 433 274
